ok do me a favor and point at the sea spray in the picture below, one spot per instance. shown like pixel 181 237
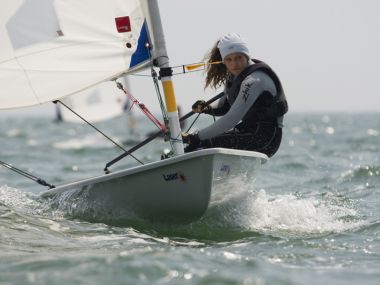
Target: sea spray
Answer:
pixel 289 215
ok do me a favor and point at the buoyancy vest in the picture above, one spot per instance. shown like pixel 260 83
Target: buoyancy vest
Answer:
pixel 267 107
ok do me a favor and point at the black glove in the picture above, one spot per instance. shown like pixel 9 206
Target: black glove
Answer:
pixel 191 139
pixel 200 106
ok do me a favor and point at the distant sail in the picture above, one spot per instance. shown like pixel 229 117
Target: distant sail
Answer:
pixel 55 48
pixel 99 103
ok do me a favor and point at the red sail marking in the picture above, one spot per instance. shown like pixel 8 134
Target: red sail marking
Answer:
pixel 123 24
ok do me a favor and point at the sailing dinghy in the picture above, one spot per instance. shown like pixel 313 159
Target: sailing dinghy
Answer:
pixel 81 44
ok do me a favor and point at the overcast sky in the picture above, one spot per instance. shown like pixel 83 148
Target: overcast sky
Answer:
pixel 325 52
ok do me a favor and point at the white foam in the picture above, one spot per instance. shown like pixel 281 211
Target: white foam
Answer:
pixel 54 226
pixel 15 198
pixel 297 216
pixel 26 203
pixel 14 133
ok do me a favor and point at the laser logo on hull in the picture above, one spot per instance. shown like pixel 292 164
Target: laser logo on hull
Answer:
pixel 174 176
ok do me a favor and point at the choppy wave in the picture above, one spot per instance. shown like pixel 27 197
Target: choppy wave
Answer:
pixel 362 171
pixel 88 141
pixel 316 218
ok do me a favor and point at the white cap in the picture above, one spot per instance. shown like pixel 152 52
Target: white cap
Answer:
pixel 232 43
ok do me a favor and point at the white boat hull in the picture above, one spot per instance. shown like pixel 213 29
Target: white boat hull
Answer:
pixel 178 189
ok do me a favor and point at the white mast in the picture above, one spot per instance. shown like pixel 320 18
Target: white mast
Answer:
pixel 162 59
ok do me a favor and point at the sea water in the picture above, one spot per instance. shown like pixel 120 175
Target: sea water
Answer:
pixel 312 216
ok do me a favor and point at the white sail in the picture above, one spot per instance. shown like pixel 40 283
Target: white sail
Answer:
pixel 54 48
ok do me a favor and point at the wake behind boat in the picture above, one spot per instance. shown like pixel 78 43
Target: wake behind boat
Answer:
pixel 39 65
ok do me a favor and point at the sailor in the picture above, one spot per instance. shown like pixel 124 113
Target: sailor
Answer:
pixel 252 106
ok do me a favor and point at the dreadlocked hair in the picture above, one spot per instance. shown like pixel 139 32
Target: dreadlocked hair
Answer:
pixel 216 74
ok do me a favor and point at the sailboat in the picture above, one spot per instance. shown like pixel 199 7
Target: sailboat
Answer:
pixel 89 42
pixel 97 104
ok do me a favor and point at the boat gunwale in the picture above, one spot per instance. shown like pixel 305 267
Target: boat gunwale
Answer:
pixel 151 165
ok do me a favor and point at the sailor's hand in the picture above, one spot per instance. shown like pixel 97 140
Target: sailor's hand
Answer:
pixel 185 138
pixel 191 139
pixel 200 106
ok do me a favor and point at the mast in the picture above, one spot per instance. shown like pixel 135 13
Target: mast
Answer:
pixel 162 60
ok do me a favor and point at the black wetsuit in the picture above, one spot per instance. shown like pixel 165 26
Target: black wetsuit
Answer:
pixel 252 108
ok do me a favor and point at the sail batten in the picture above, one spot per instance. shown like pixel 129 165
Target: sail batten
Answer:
pixel 69 46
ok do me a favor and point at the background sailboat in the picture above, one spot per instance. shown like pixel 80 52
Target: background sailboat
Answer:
pixel 96 104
